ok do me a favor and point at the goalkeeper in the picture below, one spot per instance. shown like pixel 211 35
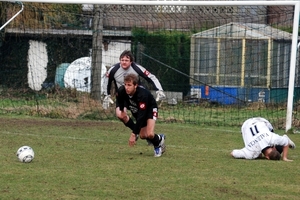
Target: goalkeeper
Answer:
pixel 116 74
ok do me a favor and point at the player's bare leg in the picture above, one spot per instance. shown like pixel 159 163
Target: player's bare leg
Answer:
pixel 157 140
pixel 122 115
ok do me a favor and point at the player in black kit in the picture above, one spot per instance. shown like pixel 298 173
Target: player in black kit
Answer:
pixel 144 109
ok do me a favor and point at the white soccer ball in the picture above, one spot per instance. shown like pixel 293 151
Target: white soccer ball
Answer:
pixel 25 154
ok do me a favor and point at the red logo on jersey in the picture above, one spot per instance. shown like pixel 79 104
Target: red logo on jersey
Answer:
pixel 146 73
pixel 142 106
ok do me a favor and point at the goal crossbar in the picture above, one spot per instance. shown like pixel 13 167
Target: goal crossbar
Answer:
pixel 173 3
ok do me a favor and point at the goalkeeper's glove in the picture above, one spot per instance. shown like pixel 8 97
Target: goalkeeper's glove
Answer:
pixel 107 98
pixel 106 101
pixel 160 95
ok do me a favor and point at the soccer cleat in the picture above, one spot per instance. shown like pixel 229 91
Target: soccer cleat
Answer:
pixel 157 152
pixel 161 148
pixel 291 143
pixel 162 143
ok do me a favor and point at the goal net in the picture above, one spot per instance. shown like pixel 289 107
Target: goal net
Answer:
pixel 219 63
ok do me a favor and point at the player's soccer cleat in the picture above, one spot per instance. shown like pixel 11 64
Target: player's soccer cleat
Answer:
pixel 161 148
pixel 162 143
pixel 291 143
pixel 157 152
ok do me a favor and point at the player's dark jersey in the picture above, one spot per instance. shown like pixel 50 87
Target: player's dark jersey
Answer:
pixel 142 106
pixel 116 74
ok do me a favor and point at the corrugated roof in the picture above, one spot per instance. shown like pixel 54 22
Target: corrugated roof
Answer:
pixel 245 30
pixel 89 33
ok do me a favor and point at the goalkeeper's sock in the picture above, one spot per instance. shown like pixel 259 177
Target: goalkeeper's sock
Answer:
pixel 155 140
pixel 130 124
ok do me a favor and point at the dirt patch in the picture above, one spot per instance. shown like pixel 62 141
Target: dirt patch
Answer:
pixel 50 122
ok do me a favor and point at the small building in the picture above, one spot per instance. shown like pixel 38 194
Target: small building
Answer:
pixel 241 62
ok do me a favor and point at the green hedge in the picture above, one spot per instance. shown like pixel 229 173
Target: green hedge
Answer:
pixel 172 48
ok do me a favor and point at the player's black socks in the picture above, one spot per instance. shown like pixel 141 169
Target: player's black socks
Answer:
pixel 130 124
pixel 156 140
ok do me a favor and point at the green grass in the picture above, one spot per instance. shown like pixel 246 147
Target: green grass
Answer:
pixel 82 159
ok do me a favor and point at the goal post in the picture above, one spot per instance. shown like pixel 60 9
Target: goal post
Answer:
pixel 292 67
pixel 264 45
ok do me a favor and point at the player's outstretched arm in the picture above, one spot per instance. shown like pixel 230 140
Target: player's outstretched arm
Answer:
pixel 285 153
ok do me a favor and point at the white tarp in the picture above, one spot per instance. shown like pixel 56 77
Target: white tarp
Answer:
pixel 37 64
pixel 78 74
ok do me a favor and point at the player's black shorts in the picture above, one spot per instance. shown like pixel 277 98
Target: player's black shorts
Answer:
pixel 152 114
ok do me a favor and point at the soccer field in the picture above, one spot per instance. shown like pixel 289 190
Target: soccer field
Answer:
pixel 81 159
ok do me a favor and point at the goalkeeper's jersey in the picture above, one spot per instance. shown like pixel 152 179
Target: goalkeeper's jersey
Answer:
pixel 257 136
pixel 116 74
